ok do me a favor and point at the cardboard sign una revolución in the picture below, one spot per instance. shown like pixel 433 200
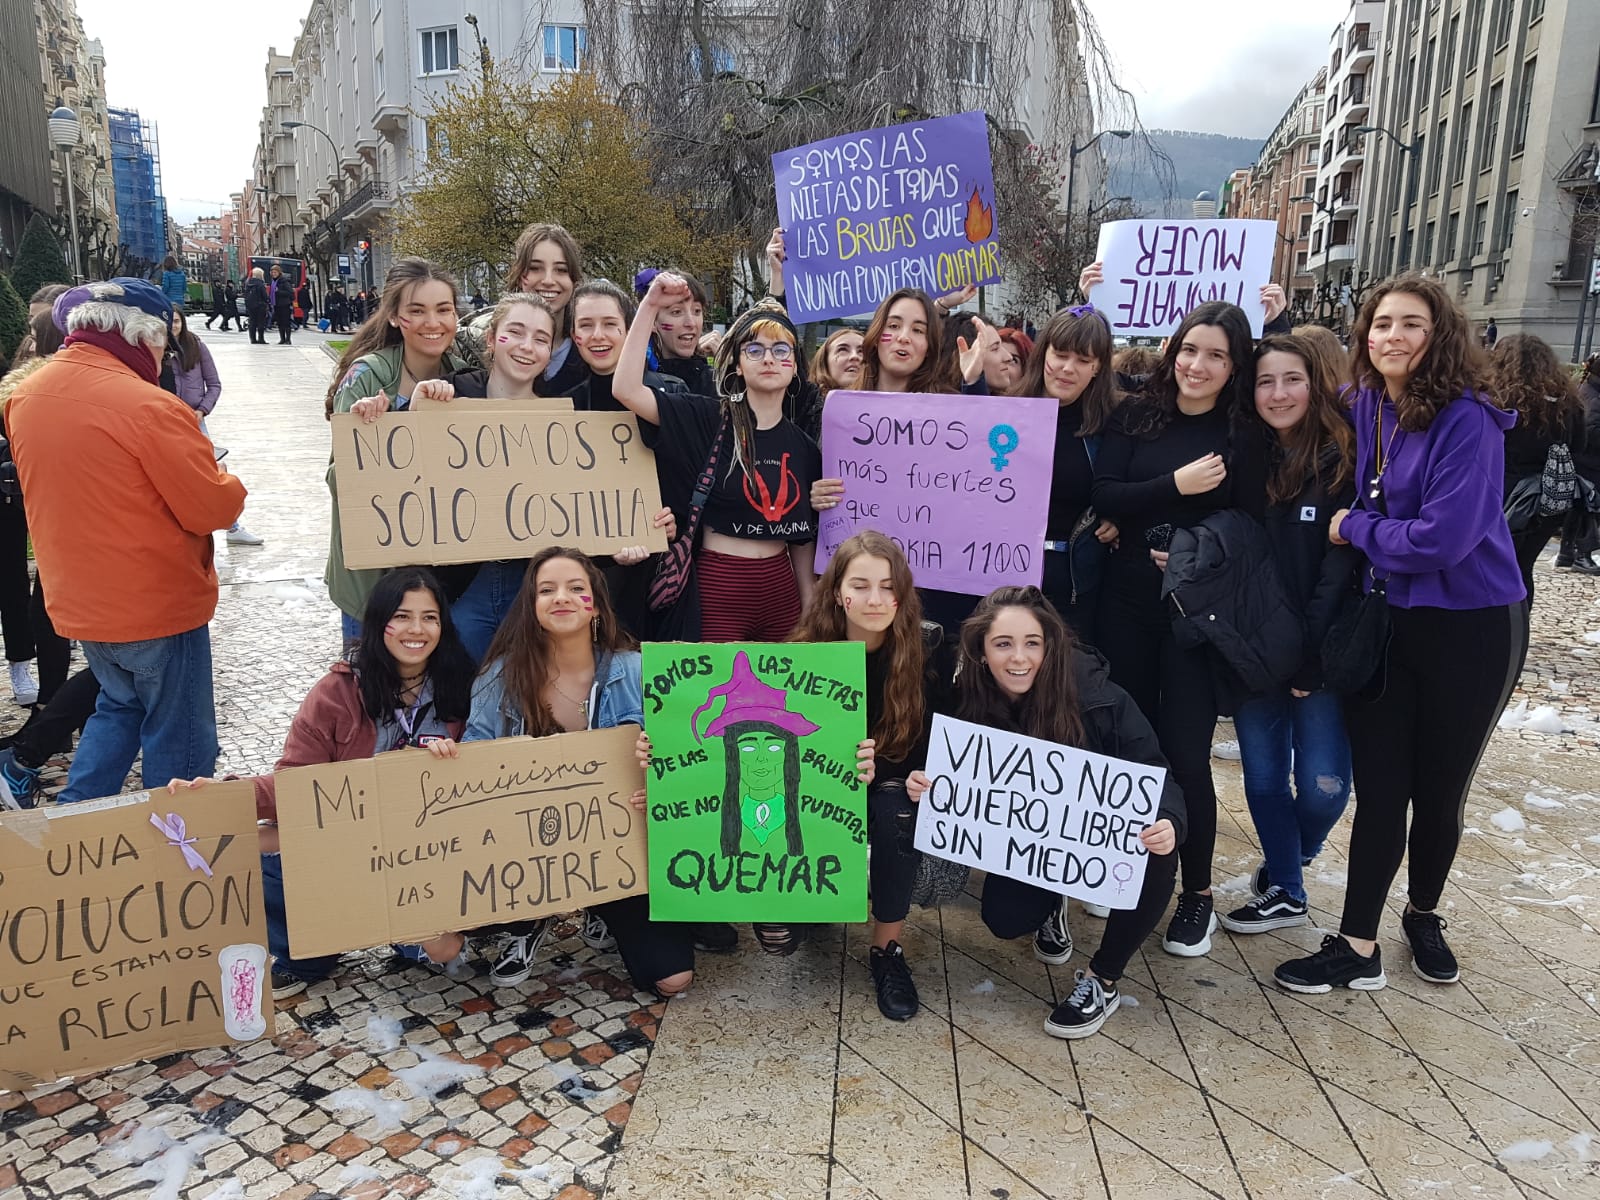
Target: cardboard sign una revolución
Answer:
pixel 1051 815
pixel 1156 271
pixel 459 483
pixel 130 927
pixel 962 489
pixel 405 846
pixel 871 212
pixel 756 813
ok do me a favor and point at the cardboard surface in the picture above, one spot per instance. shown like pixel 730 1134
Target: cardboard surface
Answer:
pixel 868 213
pixel 1051 815
pixel 403 847
pixel 1157 270
pixel 474 485
pixel 756 813
pixel 962 488
pixel 115 943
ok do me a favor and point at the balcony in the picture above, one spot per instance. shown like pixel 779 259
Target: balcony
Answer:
pixel 1344 204
pixel 1350 153
pixel 372 196
pixel 1361 51
pixel 390 119
pixel 1341 255
pixel 1357 104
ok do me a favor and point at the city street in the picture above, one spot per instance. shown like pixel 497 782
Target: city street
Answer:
pixel 776 1077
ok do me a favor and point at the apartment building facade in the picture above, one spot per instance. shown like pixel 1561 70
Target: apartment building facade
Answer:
pixel 1279 189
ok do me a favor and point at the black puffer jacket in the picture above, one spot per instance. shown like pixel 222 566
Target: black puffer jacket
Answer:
pixel 1114 726
pixel 1226 594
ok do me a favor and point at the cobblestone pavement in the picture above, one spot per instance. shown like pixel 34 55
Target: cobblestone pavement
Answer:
pixel 777 1078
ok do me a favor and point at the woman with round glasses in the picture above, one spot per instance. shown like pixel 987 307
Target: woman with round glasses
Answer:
pixel 757 532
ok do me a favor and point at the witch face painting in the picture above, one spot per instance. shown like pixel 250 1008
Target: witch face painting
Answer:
pixel 761 740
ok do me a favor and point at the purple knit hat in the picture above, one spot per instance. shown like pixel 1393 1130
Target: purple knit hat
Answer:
pixel 749 699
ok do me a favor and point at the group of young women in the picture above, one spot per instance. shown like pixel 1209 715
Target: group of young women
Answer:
pixel 1377 473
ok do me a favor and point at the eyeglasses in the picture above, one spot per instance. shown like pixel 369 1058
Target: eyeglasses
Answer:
pixel 781 351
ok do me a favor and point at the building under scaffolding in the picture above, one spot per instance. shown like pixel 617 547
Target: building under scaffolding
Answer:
pixel 136 170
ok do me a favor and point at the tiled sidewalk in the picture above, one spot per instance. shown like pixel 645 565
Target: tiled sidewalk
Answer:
pixel 777 1077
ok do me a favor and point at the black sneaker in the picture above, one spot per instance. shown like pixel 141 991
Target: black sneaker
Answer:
pixel 1335 965
pixel 1083 1012
pixel 594 934
pixel 1193 923
pixel 1053 943
pixel 1276 910
pixel 1430 956
pixel 515 963
pixel 897 991
pixel 285 985
pixel 1260 881
pixel 714 937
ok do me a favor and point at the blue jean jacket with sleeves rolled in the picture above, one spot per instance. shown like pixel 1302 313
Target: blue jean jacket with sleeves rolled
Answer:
pixel 616 700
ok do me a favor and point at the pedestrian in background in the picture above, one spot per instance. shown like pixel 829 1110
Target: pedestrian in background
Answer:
pixel 174 283
pixel 281 293
pixel 258 304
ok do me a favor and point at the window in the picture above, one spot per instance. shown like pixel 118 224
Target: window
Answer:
pixel 1436 161
pixel 722 61
pixel 1452 235
pixel 439 51
pixel 1427 71
pixel 1491 128
pixel 1519 128
pixel 1413 173
pixel 1535 11
pixel 1427 244
pixel 438 140
pixel 1480 227
pixel 566 47
pixel 972 62
pixel 1594 105
pixel 1305 224
pixel 1447 70
pixel 1463 137
pixel 1405 83
pixel 1405 250
pixel 1469 43
pixel 1300 263
pixel 1508 221
pixel 1502 24
pixel 377 73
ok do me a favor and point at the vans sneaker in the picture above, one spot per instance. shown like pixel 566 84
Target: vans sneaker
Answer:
pixel 1083 1012
pixel 1276 910
pixel 1431 958
pixel 1260 881
pixel 1335 965
pixel 285 985
pixel 1193 923
pixel 1053 942
pixel 515 963
pixel 594 934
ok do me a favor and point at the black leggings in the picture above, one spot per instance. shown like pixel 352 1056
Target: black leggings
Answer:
pixel 1529 543
pixel 55 651
pixel 1012 908
pixel 651 950
pixel 14 622
pixel 891 855
pixel 49 730
pixel 1418 746
pixel 1173 688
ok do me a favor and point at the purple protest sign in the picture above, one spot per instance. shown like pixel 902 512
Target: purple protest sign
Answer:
pixel 960 483
pixel 869 213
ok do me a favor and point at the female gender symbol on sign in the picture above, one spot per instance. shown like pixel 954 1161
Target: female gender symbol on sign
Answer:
pixel 1003 440
pixel 1122 872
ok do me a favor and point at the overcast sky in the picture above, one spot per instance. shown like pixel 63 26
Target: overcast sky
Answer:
pixel 198 70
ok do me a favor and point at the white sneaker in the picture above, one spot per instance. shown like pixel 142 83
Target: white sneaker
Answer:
pixel 240 536
pixel 1227 751
pixel 1098 911
pixel 23 688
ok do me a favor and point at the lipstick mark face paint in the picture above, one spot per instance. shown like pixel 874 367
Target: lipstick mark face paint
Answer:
pixel 886 337
pixel 588 602
pixel 502 339
pixel 848 601
pixel 392 629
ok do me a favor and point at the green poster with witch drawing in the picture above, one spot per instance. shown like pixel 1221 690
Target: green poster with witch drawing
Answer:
pixel 755 811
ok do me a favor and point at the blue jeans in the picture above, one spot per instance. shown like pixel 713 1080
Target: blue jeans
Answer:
pixel 309 969
pixel 350 627
pixel 1280 734
pixel 481 608
pixel 155 698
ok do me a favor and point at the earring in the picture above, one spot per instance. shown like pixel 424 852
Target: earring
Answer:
pixel 594 628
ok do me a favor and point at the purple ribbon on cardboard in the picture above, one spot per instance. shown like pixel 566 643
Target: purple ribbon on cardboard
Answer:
pixel 177 834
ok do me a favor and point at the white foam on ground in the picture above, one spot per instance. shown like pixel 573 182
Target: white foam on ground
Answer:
pixel 1592 636
pixel 1529 1150
pixel 367 1102
pixel 160 1158
pixel 293 594
pixel 481 1178
pixel 983 987
pixel 1579 1143
pixel 1128 1001
pixel 1508 820
pixel 355 1173
pixel 1545 719
pixel 1534 800
pixel 384 1032
pixel 433 1074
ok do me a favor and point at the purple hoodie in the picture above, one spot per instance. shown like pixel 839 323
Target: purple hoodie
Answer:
pixel 1444 542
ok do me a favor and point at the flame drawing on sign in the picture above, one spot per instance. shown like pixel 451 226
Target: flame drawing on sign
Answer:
pixel 980 218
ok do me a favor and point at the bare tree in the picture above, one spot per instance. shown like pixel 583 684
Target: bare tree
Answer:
pixel 722 85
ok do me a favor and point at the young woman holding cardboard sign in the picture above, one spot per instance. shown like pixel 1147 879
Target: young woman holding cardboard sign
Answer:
pixel 1022 672
pixel 867 595
pixel 407 682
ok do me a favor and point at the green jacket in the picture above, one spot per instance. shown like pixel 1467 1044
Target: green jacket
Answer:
pixel 367 376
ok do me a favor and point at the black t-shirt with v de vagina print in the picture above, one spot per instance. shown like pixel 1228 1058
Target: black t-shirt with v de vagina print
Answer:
pixel 772 502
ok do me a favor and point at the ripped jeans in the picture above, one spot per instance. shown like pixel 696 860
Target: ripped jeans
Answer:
pixel 892 859
pixel 1282 736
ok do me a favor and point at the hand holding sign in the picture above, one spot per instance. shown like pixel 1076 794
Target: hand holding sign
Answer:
pixel 371 408
pixel 1155 272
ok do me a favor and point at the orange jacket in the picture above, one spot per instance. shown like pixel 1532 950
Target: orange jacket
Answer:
pixel 123 492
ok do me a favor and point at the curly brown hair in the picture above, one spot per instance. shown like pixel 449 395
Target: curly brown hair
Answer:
pixel 1453 364
pixel 904 693
pixel 1526 377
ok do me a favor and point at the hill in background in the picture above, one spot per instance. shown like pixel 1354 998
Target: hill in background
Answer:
pixel 1201 162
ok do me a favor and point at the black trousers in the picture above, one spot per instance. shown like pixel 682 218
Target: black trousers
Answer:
pixel 651 950
pixel 258 328
pixel 1173 688
pixel 15 627
pixel 1080 614
pixel 49 730
pixel 284 321
pixel 891 853
pixel 1529 543
pixel 55 651
pixel 1012 908
pixel 1417 747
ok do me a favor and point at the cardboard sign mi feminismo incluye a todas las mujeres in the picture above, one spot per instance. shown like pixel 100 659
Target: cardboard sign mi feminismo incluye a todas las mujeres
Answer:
pixel 403 847
pixel 1061 818
pixel 130 927
pixel 756 813
pixel 459 484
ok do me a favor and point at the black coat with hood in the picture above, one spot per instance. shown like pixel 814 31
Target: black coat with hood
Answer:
pixel 1114 726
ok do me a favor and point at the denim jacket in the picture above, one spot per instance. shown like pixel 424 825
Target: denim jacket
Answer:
pixel 619 700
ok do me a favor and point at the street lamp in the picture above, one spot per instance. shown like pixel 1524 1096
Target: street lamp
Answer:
pixel 1321 206
pixel 65 133
pixel 1095 208
pixel 338 180
pixel 1072 173
pixel 1413 169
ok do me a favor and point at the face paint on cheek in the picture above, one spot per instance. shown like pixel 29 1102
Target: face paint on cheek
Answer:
pixel 502 339
pixel 886 338
pixel 847 602
pixel 588 602
pixel 391 629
